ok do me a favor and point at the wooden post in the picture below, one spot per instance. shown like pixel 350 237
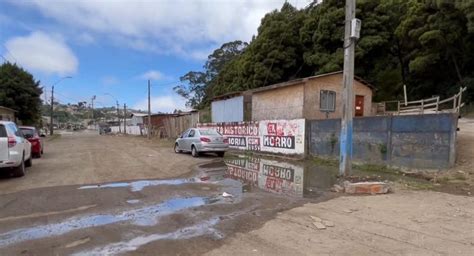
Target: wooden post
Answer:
pixel 459 102
pixel 398 108
pixel 437 104
pixel 422 106
pixel 149 112
pixel 124 118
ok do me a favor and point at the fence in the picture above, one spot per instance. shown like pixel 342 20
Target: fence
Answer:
pixel 171 125
pixel 424 106
pixel 416 141
pixel 132 130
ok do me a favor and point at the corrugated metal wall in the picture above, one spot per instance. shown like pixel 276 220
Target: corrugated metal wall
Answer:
pixel 229 110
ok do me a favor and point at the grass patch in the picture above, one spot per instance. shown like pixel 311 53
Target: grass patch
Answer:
pixel 459 176
pixel 325 161
pixel 375 168
pixel 418 185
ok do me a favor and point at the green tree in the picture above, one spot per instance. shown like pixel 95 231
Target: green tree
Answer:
pixel 20 91
pixel 196 87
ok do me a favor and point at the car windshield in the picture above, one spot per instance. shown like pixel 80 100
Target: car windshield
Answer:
pixel 28 133
pixel 209 132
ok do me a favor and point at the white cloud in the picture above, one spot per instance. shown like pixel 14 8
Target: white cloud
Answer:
pixel 109 80
pixel 153 75
pixel 85 38
pixel 42 52
pixel 166 104
pixel 166 27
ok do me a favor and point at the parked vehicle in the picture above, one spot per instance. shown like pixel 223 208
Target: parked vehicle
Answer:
pixel 35 138
pixel 198 141
pixel 15 150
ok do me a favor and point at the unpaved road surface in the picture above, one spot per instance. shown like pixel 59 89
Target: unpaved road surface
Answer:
pixel 101 195
pixel 87 158
pixel 403 223
pixel 107 195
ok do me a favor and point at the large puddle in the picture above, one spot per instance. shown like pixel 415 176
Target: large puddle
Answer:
pixel 283 177
pixel 224 183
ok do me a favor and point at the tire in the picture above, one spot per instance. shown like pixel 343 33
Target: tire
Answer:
pixel 29 162
pixel 176 149
pixel 194 151
pixel 20 170
pixel 220 154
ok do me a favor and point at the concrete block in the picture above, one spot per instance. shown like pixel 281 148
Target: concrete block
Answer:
pixel 366 188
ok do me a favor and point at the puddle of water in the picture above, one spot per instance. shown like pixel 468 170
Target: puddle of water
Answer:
pixel 284 177
pixel 147 215
pixel 203 228
pixel 140 184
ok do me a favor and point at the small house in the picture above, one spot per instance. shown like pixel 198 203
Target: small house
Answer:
pixel 7 114
pixel 136 119
pixel 315 97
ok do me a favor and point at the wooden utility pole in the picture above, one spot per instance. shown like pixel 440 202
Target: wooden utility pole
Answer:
pixel 52 109
pixel 118 116
pixel 148 133
pixel 124 118
pixel 345 154
pixel 92 111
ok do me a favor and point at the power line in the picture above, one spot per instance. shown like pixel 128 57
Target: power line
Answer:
pixel 11 54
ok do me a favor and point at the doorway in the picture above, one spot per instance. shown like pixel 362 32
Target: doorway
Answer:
pixel 359 105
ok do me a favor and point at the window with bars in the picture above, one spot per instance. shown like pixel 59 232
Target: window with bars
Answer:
pixel 327 101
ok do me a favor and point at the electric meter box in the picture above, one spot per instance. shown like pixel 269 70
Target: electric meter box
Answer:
pixel 355 28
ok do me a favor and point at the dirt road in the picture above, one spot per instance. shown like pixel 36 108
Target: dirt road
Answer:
pixel 107 195
pixel 86 158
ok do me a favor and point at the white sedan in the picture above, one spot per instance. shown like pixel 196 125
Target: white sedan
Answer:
pixel 198 141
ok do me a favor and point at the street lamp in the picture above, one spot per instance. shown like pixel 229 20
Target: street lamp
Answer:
pixel 52 103
pixel 118 110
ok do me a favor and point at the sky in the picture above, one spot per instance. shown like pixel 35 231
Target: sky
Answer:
pixel 111 48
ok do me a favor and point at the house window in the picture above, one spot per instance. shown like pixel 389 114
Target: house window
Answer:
pixel 327 101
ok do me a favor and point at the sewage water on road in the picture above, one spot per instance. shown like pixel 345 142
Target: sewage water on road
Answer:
pixel 217 192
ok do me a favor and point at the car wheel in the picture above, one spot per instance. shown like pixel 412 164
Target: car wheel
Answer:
pixel 29 162
pixel 194 152
pixel 220 154
pixel 20 170
pixel 176 149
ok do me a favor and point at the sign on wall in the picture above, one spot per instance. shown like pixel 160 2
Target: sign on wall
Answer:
pixel 274 136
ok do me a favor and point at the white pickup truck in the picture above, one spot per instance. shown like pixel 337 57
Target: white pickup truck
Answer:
pixel 15 150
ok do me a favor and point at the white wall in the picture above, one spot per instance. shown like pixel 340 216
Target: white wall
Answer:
pixel 132 130
pixel 273 136
pixel 229 110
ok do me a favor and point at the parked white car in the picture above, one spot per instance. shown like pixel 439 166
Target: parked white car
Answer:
pixel 15 150
pixel 199 141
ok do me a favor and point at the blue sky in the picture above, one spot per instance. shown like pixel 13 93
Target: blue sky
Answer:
pixel 114 46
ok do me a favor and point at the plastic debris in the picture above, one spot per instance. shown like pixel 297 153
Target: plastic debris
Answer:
pixel 225 194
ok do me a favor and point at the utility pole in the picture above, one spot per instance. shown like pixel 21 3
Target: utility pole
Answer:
pixel 51 117
pixel 350 36
pixel 149 112
pixel 118 117
pixel 92 112
pixel 124 118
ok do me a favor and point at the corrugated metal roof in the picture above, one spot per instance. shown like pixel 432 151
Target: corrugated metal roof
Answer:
pixel 9 109
pixel 287 83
